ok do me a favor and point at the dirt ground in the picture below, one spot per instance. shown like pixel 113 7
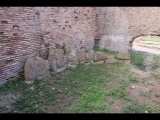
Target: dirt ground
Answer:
pixel 147 84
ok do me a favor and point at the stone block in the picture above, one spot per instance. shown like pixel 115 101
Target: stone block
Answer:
pixel 60 60
pixel 91 55
pixel 100 56
pixel 30 69
pixel 110 61
pixel 99 62
pixel 81 55
pixel 123 56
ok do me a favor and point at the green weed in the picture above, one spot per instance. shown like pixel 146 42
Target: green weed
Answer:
pixel 146 94
pixel 135 107
pixel 137 59
pixel 132 79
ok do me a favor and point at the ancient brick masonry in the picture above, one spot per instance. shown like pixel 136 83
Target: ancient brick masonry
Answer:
pixel 30 31
pixel 121 25
pixel 18 39
pixel 33 31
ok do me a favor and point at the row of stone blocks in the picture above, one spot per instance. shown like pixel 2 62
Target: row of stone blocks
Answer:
pixel 58 60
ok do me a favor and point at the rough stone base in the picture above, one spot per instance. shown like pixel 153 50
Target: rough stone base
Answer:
pixel 110 61
pixel 99 62
pixel 123 56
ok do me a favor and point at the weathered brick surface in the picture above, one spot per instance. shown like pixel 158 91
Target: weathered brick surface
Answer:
pixel 31 31
pixel 122 24
pixel 25 31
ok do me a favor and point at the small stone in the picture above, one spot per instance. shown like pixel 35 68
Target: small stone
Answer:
pixel 74 66
pixel 36 105
pixel 29 82
pixel 32 88
pixel 146 111
pixel 60 91
pixel 41 93
pixel 8 106
pixel 53 88
pixel 133 87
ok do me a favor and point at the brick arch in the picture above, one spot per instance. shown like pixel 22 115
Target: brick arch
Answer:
pixel 120 22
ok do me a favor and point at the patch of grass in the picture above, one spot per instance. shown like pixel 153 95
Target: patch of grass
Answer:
pixel 157 95
pixel 117 92
pixel 92 100
pixel 2 109
pixel 97 49
pixel 135 107
pixel 125 70
pixel 150 38
pixel 137 59
pixel 144 80
pixel 32 98
pixel 156 62
pixel 29 99
pixel 146 94
pixel 89 87
pixel 156 74
pixel 132 79
pixel 12 86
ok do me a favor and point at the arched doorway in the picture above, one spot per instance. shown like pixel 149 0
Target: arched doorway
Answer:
pixel 147 43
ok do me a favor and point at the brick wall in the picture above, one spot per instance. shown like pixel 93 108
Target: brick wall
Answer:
pixel 31 31
pixel 125 23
